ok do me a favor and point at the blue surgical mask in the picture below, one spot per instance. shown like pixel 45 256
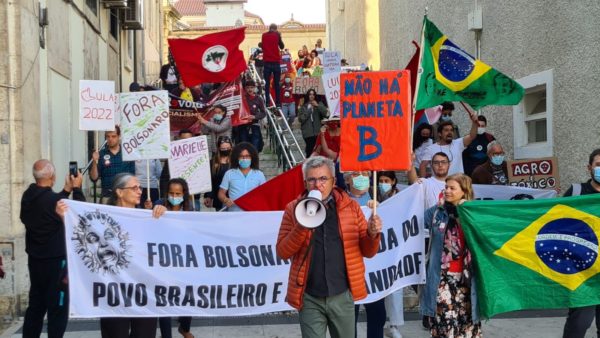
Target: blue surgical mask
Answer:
pixel 445 118
pixel 597 174
pixel 245 163
pixel 497 159
pixel 360 182
pixel 175 200
pixel 385 187
pixel 288 80
pixel 218 117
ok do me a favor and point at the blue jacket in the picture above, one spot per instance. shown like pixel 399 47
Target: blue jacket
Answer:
pixel 433 269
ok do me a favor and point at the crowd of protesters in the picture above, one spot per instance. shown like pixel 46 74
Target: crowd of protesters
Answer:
pixel 444 163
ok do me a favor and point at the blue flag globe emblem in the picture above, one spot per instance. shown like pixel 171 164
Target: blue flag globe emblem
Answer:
pixel 567 245
pixel 454 63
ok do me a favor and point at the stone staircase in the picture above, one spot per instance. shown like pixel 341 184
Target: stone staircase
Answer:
pixel 268 158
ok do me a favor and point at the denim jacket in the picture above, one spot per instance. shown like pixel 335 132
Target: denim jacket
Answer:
pixel 434 262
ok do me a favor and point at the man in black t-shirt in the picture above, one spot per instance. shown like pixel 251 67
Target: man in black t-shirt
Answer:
pixel 579 319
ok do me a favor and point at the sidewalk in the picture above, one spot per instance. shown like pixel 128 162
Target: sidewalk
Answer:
pixel 525 324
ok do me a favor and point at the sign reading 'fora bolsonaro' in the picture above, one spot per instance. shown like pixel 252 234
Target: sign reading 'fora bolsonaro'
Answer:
pixel 375 119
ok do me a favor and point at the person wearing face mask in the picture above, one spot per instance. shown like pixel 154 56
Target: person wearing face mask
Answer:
pixel 219 125
pixel 450 146
pixel 494 170
pixel 250 130
pixel 358 184
pixel 476 153
pixel 447 109
pixel 328 141
pixel 579 319
pixel 394 303
pixel 243 176
pixel 288 105
pixel 219 165
pixel 422 138
pixel 177 198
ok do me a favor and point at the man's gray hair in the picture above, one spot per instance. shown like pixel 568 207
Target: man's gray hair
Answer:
pixel 317 162
pixel 492 144
pixel 43 169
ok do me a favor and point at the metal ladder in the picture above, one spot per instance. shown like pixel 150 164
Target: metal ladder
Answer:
pixel 281 137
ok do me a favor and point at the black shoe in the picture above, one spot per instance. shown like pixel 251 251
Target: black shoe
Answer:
pixel 426 322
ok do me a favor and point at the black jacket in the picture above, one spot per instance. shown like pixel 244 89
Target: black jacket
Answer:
pixel 44 229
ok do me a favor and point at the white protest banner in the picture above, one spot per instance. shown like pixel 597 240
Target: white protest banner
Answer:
pixel 97 103
pixel 145 130
pixel 503 192
pixel 188 159
pixel 331 85
pixel 331 62
pixel 123 262
pixel 506 192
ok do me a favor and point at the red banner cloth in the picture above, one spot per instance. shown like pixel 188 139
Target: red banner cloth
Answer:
pixel 275 194
pixel 210 58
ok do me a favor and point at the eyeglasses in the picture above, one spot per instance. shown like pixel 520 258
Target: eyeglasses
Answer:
pixel 134 188
pixel 314 180
pixel 439 162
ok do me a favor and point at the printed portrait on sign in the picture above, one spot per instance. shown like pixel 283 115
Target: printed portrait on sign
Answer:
pixel 101 243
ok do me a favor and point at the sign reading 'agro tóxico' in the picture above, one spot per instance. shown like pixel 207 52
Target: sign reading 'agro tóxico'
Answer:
pixel 539 173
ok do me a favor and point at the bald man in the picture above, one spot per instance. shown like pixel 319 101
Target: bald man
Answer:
pixel 45 247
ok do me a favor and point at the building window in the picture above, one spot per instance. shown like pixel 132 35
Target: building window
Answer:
pixel 532 118
pixel 92 5
pixel 114 23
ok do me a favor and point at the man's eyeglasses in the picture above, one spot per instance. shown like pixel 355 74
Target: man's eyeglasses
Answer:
pixel 314 180
pixel 440 162
pixel 134 188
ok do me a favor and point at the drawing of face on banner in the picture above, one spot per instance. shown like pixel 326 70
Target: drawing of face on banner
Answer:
pixel 101 243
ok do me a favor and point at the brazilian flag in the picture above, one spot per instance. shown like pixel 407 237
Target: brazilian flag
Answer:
pixel 534 254
pixel 451 74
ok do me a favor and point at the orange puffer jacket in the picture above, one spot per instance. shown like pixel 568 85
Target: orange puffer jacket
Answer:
pixel 294 239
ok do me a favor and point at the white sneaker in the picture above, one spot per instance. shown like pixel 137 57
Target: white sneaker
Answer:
pixel 395 332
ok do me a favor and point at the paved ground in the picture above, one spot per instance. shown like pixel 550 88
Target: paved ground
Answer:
pixel 525 324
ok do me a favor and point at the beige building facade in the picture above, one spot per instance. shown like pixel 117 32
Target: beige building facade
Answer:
pixel 549 47
pixel 196 19
pixel 48 46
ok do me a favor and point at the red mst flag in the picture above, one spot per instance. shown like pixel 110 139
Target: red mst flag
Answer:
pixel 213 57
pixel 275 194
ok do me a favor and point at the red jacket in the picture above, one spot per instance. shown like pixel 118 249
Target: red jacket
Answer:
pixel 271 44
pixel 293 241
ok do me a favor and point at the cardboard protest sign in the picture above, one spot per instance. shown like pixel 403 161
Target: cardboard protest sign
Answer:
pixel 188 159
pixel 303 84
pixel 97 102
pixel 331 84
pixel 144 125
pixel 332 62
pixel 375 119
pixel 539 173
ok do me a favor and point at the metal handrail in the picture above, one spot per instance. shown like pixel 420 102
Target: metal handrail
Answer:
pixel 282 146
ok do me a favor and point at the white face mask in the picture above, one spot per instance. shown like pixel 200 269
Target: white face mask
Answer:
pixel 480 130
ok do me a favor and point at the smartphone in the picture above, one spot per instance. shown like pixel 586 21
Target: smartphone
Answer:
pixel 73 171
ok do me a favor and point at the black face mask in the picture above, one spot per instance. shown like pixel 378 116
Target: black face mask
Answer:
pixel 224 152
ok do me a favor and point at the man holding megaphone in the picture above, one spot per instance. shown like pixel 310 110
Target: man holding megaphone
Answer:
pixel 326 235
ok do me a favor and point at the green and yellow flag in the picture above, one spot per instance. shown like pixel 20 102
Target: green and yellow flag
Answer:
pixel 534 254
pixel 451 74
